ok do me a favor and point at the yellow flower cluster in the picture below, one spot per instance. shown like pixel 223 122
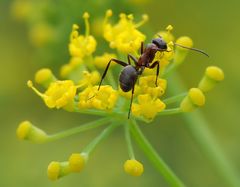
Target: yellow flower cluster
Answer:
pixel 124 36
pixel 105 99
pixel 80 90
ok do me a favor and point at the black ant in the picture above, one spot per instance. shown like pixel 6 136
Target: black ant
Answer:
pixel 130 73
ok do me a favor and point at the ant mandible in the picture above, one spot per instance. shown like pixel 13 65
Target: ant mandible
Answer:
pixel 130 73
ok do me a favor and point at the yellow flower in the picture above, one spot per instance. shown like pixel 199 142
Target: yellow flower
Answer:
pixel 27 131
pixel 80 45
pixel 147 86
pixel 147 107
pixel 44 77
pixel 194 99
pixel 124 35
pixel 128 94
pixel 102 61
pixel 104 99
pixel 133 167
pixel 60 94
pixel 77 162
pixel 89 79
pixel 212 76
pixel 181 53
pixel 57 170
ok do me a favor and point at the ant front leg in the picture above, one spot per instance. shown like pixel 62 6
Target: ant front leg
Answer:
pixel 105 72
pixel 156 63
pixel 133 58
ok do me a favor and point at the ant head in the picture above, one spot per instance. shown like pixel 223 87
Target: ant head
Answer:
pixel 160 43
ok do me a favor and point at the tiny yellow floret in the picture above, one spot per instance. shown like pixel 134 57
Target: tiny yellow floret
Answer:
pixel 147 106
pixel 212 76
pixel 185 41
pixel 53 170
pixel 76 162
pixel 23 129
pixel 133 167
pixel 27 131
pixel 215 73
pixel 44 77
pixel 194 99
pixel 197 96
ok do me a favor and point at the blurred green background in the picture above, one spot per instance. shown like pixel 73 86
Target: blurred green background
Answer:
pixel 214 27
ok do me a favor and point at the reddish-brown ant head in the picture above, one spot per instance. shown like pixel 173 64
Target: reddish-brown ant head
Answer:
pixel 160 43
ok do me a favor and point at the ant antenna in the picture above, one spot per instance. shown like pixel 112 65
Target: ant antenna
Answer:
pixel 193 49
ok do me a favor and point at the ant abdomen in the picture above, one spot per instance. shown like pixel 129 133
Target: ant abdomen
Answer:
pixel 127 78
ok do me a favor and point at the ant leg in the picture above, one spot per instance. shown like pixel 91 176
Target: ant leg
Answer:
pixel 141 48
pixel 105 72
pixel 129 112
pixel 129 56
pixel 156 63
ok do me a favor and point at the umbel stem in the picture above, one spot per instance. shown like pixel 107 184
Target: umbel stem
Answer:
pixel 153 156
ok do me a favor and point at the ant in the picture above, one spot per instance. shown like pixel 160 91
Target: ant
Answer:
pixel 129 74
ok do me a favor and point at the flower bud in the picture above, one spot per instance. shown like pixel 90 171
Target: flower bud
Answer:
pixel 212 76
pixel 77 162
pixel 194 99
pixel 44 77
pixel 133 167
pixel 181 53
pixel 27 131
pixel 57 170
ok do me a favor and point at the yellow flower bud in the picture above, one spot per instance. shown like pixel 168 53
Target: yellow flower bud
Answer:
pixel 44 77
pixel 77 162
pixel 194 99
pixel 57 170
pixel 212 76
pixel 133 167
pixel 27 131
pixel 181 53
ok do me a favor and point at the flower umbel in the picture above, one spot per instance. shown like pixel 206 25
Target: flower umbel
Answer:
pixel 81 92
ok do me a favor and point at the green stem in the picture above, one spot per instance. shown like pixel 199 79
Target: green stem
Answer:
pixel 92 112
pixel 153 156
pixel 128 141
pixel 174 99
pixel 170 111
pixel 85 127
pixel 198 127
pixel 90 147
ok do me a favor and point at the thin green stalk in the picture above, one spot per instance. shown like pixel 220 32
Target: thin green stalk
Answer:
pixel 170 111
pixel 85 127
pixel 90 147
pixel 153 156
pixel 92 112
pixel 198 127
pixel 128 141
pixel 174 99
